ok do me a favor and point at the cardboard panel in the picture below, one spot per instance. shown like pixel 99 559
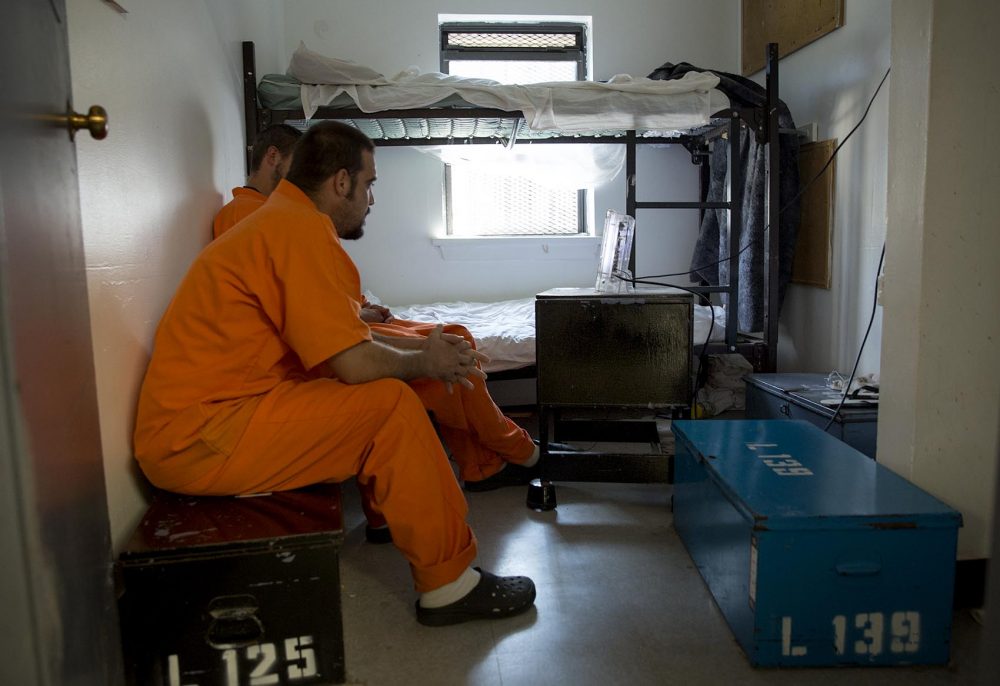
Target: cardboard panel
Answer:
pixel 789 23
pixel 813 256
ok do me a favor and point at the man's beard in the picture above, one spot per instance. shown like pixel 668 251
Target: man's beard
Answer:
pixel 356 232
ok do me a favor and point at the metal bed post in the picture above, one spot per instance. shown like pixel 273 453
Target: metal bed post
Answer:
pixel 249 98
pixel 735 193
pixel 772 232
pixel 631 204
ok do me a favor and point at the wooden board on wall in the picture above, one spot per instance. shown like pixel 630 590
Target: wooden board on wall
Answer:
pixel 812 264
pixel 789 23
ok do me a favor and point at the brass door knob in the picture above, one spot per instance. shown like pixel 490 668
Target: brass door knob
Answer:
pixel 95 121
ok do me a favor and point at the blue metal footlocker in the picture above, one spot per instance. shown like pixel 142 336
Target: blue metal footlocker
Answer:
pixel 815 554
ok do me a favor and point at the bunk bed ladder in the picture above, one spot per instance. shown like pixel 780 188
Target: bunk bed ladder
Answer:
pixel 734 205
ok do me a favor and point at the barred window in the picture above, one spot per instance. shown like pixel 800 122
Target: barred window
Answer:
pixel 481 203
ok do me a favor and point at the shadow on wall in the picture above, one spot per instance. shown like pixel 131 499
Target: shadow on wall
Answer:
pixel 129 296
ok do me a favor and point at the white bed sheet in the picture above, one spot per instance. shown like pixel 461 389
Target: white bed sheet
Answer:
pixel 624 102
pixel 505 331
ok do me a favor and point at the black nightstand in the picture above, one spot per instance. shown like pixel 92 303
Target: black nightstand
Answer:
pixel 608 364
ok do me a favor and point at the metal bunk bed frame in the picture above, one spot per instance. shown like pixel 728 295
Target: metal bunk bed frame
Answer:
pixel 437 126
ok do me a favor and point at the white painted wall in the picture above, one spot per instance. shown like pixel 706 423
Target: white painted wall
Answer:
pixel 396 257
pixel 830 82
pixel 940 368
pixel 169 75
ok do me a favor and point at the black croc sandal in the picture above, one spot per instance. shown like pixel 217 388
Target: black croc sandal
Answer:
pixel 492 598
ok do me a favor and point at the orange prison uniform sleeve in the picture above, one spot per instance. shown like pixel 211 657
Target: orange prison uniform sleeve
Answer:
pixel 236 399
pixel 244 202
pixel 481 438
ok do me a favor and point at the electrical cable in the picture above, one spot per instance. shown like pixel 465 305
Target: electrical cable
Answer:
pixel 857 361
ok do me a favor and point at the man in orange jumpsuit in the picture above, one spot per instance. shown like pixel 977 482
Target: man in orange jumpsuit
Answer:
pixel 263 377
pixel 269 160
pixel 481 439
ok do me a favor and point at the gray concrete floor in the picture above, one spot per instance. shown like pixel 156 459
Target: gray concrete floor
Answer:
pixel 619 602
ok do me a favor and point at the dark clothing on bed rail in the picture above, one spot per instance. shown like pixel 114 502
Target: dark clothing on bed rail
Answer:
pixel 713 237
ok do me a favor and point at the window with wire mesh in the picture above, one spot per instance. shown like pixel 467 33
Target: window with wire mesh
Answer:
pixel 480 203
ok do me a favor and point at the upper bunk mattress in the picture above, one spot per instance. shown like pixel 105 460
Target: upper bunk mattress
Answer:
pixel 622 103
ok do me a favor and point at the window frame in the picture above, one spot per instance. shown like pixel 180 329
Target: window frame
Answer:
pixel 511 54
pixel 579 54
pixel 581 216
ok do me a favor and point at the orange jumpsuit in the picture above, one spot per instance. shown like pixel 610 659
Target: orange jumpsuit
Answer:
pixel 236 399
pixel 480 437
pixel 245 200
pixel 477 433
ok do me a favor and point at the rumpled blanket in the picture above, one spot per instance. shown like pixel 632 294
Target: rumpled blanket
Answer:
pixel 623 102
pixel 725 385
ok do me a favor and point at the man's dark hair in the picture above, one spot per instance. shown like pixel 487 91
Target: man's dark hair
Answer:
pixel 325 149
pixel 281 136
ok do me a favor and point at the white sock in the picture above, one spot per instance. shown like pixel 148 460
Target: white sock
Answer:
pixel 533 460
pixel 450 593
